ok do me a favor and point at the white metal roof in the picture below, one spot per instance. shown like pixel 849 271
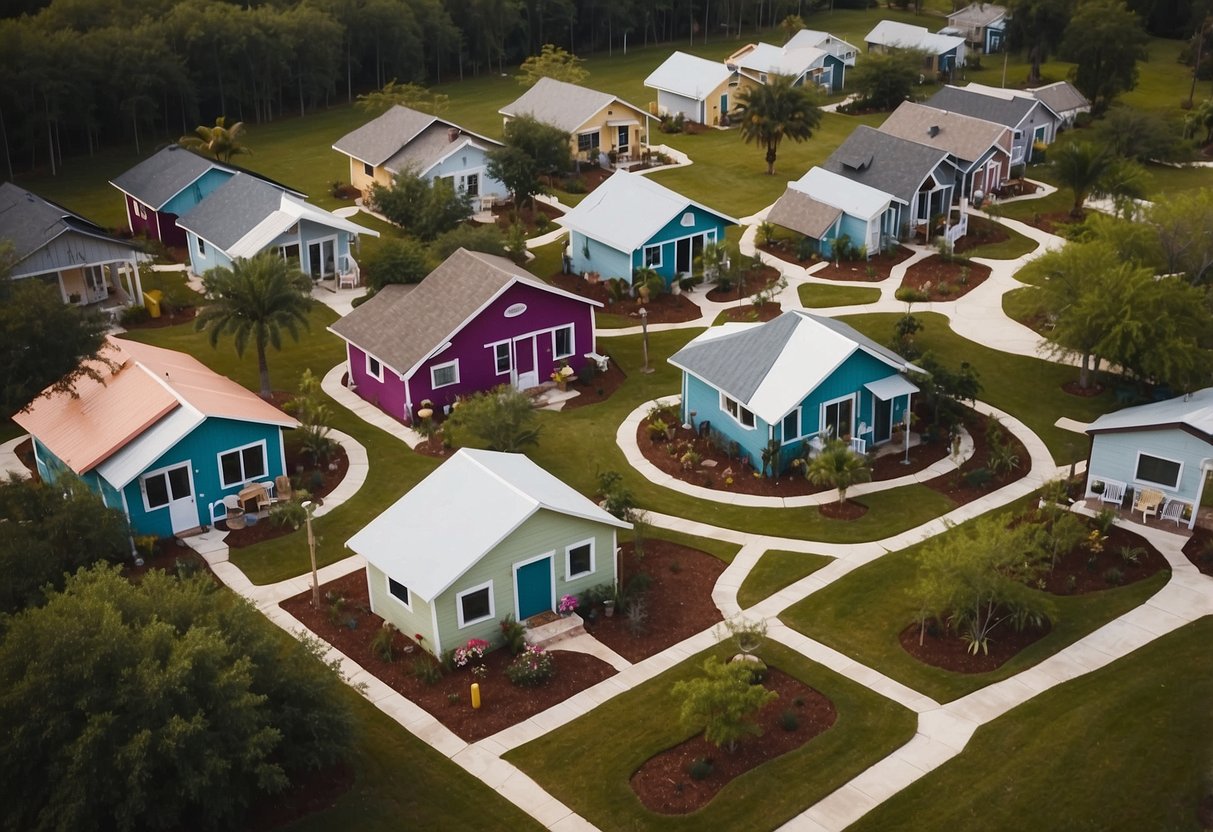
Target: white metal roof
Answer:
pixel 783 61
pixel 435 533
pixel 1194 410
pixel 153 443
pixel 290 211
pixel 688 75
pixel 847 195
pixel 891 387
pixel 628 209
pixel 906 36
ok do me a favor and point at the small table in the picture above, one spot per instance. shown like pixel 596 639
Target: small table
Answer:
pixel 252 497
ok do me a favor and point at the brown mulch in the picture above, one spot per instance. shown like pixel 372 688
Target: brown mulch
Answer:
pixel 756 280
pixel 1052 222
pixel 1075 389
pixel 317 480
pixel 951 652
pixel 179 316
pixel 1016 187
pixel 448 700
pixel 664 785
pixel 847 510
pixel 749 312
pixel 663 309
pixel 678 600
pixel 877 268
pixel 934 273
pixel 347 192
pixel 1090 572
pixel 170 556
pixel 981 232
pixel 309 792
pixel 956 487
pixel 1199 550
pixel 504 216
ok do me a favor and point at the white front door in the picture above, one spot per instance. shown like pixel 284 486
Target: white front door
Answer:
pixel 526 362
pixel 173 488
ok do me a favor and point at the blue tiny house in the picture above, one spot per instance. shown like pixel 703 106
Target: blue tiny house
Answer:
pixel 804 379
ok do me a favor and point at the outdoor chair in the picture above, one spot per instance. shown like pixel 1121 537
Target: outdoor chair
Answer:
pixel 282 485
pixel 1113 493
pixel 1148 501
pixel 1174 510
pixel 235 514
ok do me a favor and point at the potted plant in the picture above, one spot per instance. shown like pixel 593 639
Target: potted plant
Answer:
pixel 568 605
pixel 426 410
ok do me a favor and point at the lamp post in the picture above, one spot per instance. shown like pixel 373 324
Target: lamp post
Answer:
pixel 311 548
pixel 644 328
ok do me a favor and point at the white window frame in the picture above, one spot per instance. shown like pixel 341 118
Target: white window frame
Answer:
pixel 370 371
pixel 168 488
pixel 787 440
pixel 572 329
pixel 821 421
pixel 201 246
pixel 265 464
pixel 654 262
pixel 593 141
pixel 470 590
pixel 509 358
pixel 736 410
pixel 408 605
pixel 568 559
pixel 434 385
pixel 1179 476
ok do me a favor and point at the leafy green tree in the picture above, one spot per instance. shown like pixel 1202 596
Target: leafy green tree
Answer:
pixel 552 62
pixel 723 702
pixel 1088 170
pixel 944 390
pixel 884 80
pixel 161 705
pixel 1105 41
pixel 413 96
pixel 1142 135
pixel 837 466
pixel 426 207
pixel 501 419
pixel 256 299
pixel 532 149
pixel 1199 122
pixel 975 579
pixel 51 531
pixel 311 407
pixel 790 25
pixel 396 260
pixel 1184 225
pixel 768 113
pixel 220 141
pixel 485 238
pixel 1036 27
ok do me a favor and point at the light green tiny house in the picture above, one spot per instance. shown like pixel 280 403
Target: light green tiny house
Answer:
pixel 485 536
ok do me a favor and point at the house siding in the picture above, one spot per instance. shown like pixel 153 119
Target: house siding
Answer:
pixel 419 619
pixel 469 159
pixel 387 395
pixel 1114 456
pixel 608 135
pixel 671 103
pixel 1038 116
pixel 705 222
pixel 200 189
pixel 72 251
pixel 601 258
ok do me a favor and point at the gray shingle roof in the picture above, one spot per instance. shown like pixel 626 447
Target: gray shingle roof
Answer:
pixel 1061 97
pixel 402 326
pixel 965 137
pixel 803 214
pixel 1009 111
pixel 563 105
pixel 232 209
pixel 380 138
pixel 738 362
pixel 888 163
pixel 29 222
pixel 429 147
pixel 977 14
pixel 166 173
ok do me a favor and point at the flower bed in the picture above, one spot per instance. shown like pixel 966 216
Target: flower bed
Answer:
pixel 937 279
pixel 664 309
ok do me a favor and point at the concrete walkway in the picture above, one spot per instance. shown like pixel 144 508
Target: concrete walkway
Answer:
pixel 10 465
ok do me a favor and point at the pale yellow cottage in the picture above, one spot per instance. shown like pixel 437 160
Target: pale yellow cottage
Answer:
pixel 596 122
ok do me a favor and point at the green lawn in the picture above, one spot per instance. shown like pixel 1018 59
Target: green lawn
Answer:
pixel 821 296
pixel 720 549
pixel 1019 306
pixel 588 762
pixel 1027 388
pixel 1016 245
pixel 863 613
pixel 1122 749
pixel 775 570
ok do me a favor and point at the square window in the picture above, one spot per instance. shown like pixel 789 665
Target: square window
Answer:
pixel 579 560
pixel 562 342
pixel 399 591
pixel 652 257
pixel 240 465
pixel 475 604
pixel 501 358
pixel 587 142
pixel 368 169
pixel 374 368
pixel 231 468
pixel 156 489
pixel 444 375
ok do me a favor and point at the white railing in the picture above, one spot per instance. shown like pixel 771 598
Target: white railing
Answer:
pixel 859 446
pixel 957 230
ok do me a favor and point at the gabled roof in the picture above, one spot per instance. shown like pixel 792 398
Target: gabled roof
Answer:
pixel 1193 412
pixel 775 60
pixel 821 40
pixel 1061 97
pixel 771 367
pixel 152 392
pixel 849 196
pixel 563 105
pixel 402 326
pixel 402 137
pixel 626 210
pixel 688 75
pixel 884 162
pixel 244 215
pixel 29 223
pixel 803 214
pixel 1007 108
pixel 977 15
pixel 904 36
pixel 440 529
pixel 964 137
pixel 169 171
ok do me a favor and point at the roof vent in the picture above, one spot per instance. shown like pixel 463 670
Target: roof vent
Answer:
pixel 933 130
pixel 452 133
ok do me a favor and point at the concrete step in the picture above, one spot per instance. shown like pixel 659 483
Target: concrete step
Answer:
pixel 553 632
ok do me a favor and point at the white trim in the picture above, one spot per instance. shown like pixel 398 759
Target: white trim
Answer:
pixel 572 328
pixel 821 416
pixel 509 356
pixel 785 439
pixel 725 399
pixel 408 605
pixel 550 557
pixel 188 465
pixel 265 464
pixel 644 256
pixel 1179 476
pixel 568 552
pixel 434 385
pixel 434 631
pixel 488 585
pixel 378 376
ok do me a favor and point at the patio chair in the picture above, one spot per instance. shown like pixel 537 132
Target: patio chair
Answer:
pixel 235 514
pixel 1174 510
pixel 1148 501
pixel 1113 492
pixel 283 485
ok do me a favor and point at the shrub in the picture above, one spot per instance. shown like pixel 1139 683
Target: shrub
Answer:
pixel 426 670
pixel 1114 576
pixel 700 768
pixel 573 185
pixel 788 721
pixel 531 668
pixel 513 635
pixel 723 702
pixel 382 645
pixel 637 613
pixel 908 294
pixel 978 478
pixel 134 315
pixel 1131 555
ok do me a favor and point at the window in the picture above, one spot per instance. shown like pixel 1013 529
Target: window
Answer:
pixel 368 169
pixel 579 560
pixel 472 185
pixel 444 375
pixel 743 416
pixel 1159 471
pixel 399 591
pixel 160 487
pixel 290 253
pixel 837 417
pixel 652 257
pixel 587 142
pixel 475 605
pixel 562 342
pixel 374 367
pixel 501 358
pixel 201 247
pixel 791 426
pixel 240 465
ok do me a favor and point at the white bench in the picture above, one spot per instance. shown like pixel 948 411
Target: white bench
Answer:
pixel 602 361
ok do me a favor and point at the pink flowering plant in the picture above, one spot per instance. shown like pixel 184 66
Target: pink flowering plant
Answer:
pixel 568 604
pixel 472 653
pixel 531 668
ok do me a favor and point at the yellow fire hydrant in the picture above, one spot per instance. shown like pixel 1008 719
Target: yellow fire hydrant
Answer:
pixel 475 695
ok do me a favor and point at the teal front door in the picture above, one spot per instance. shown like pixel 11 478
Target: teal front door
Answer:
pixel 533 585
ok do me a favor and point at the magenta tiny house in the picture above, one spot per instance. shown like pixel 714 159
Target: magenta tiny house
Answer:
pixel 476 322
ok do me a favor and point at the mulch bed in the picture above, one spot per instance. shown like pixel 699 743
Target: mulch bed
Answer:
pixel 951 652
pixel 663 309
pixel 1199 550
pixel 1079 572
pixel 750 313
pixel 956 486
pixel 941 280
pixel 846 510
pixel 504 217
pixel 663 782
pixel 1053 222
pixel 178 316
pixel 982 232
pixel 678 600
pixel 1076 389
pixel 756 280
pixel 502 703
pixel 875 269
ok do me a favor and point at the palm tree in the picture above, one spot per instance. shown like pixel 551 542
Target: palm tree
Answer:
pixel 220 141
pixel 256 299
pixel 771 112
pixel 837 466
pixel 1080 166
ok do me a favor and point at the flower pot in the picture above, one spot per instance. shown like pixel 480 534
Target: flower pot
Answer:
pixel 608 608
pixel 425 413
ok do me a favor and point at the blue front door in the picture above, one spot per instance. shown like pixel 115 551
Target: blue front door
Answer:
pixel 534 587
